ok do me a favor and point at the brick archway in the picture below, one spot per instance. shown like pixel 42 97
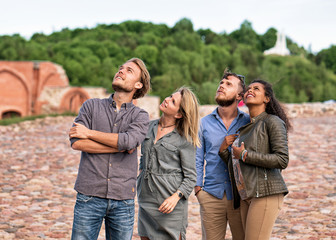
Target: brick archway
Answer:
pixel 49 75
pixel 73 100
pixel 9 113
pixel 15 92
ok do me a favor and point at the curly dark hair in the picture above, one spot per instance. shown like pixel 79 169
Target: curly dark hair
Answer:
pixel 273 106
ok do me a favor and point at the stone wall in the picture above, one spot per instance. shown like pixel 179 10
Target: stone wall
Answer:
pixel 150 104
pixel 52 98
pixel 311 109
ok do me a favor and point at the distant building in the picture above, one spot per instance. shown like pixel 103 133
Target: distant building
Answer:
pixel 280 47
pixel 37 87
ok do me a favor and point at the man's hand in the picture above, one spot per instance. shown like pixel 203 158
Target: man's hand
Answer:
pixel 79 131
pixel 228 140
pixel 197 189
pixel 130 151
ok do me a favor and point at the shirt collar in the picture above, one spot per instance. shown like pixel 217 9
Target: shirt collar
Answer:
pixel 240 113
pixel 156 124
pixel 215 113
pixel 124 105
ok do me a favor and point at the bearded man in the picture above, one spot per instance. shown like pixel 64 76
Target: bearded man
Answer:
pixel 214 188
pixel 107 132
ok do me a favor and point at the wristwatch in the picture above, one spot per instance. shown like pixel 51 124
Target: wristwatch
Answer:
pixel 179 193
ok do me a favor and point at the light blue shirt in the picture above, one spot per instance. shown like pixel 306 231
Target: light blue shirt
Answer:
pixel 214 178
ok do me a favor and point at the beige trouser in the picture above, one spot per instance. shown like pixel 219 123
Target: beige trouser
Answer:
pixel 215 213
pixel 259 215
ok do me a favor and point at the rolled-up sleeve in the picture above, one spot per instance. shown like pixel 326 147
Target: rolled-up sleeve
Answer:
pixel 136 132
pixel 84 117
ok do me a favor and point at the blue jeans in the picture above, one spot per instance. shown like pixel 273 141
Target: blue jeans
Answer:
pixel 89 214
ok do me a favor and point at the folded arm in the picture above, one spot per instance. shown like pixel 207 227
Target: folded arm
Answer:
pixel 90 146
pixel 122 141
pixel 82 132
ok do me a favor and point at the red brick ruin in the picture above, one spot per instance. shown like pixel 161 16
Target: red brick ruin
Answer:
pixel 36 87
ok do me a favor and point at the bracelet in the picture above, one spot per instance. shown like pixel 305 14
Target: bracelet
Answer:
pixel 198 191
pixel 244 155
pixel 241 153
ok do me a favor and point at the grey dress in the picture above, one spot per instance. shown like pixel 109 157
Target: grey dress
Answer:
pixel 166 166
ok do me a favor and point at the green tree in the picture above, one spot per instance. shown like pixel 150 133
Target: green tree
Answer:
pixel 36 51
pixel 209 37
pixel 268 40
pixel 295 49
pixel 180 56
pixel 12 47
pixel 149 54
pixel 328 57
pixel 246 35
pixel 184 25
pixel 206 92
pixel 187 41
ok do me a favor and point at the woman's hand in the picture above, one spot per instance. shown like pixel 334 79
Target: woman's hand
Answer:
pixel 169 204
pixel 238 150
pixel 228 140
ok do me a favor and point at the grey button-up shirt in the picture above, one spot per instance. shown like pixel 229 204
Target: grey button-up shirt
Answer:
pixel 105 175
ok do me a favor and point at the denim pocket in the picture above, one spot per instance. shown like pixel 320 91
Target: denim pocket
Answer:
pixel 83 198
pixel 129 202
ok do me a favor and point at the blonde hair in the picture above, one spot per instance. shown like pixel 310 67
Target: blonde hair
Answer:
pixel 144 78
pixel 188 125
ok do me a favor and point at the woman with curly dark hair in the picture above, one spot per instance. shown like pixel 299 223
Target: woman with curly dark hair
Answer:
pixel 273 107
pixel 258 156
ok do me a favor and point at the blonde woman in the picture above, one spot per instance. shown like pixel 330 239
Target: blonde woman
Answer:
pixel 167 165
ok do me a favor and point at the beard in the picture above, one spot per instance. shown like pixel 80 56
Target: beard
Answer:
pixel 118 88
pixel 225 102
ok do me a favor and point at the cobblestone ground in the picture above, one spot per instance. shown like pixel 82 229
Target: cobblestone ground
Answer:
pixel 38 170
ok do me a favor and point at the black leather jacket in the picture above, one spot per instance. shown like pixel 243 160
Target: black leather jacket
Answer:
pixel 265 139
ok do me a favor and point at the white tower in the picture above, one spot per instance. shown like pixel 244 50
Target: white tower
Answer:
pixel 280 47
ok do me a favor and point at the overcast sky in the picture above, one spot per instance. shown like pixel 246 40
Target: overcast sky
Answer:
pixel 306 22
